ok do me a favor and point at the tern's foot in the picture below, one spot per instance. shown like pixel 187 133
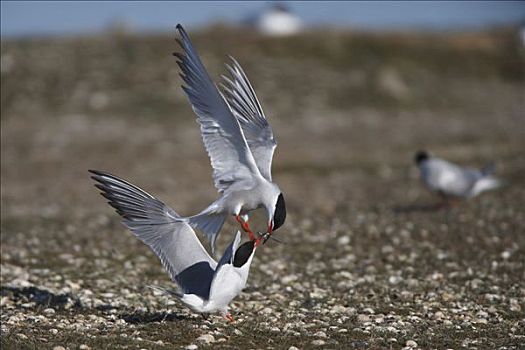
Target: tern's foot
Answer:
pixel 229 317
pixel 245 227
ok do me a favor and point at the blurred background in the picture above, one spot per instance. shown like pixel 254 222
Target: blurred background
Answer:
pixel 352 90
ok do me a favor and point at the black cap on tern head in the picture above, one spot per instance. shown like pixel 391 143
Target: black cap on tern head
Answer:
pixel 420 156
pixel 243 253
pixel 279 216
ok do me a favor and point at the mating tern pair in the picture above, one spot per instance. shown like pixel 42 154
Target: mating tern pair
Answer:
pixel 240 144
pixel 452 181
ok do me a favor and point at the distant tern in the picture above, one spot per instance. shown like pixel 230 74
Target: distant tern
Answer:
pixel 205 285
pixel 453 181
pixel 239 142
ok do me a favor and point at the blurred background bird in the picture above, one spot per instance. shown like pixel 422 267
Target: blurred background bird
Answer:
pixel 451 181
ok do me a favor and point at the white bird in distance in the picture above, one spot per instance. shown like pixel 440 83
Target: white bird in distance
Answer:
pixel 452 181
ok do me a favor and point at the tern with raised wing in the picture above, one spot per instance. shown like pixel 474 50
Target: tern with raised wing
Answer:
pixel 239 142
pixel 205 285
pixel 452 181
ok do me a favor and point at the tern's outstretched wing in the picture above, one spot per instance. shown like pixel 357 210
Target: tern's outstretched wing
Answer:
pixel 161 228
pixel 246 108
pixel 223 138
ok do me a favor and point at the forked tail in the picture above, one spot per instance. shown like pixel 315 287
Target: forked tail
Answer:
pixel 486 183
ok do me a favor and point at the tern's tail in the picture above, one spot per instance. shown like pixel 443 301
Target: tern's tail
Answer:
pixel 486 183
pixel 167 291
pixel 209 224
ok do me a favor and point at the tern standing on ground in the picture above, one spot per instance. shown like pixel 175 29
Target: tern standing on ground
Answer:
pixel 452 181
pixel 205 285
pixel 239 142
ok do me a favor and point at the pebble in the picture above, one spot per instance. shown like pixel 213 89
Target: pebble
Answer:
pixel 84 347
pixel 411 344
pixel 293 348
pixel 22 336
pixel 191 347
pixel 49 311
pixel 59 348
pixel 206 338
pixel 361 318
pixel 438 315
pixel 237 332
pixel 481 321
pixel 318 342
pixel 338 309
pixel 320 334
pixel 53 331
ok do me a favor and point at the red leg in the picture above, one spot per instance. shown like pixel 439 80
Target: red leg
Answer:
pixel 229 317
pixel 245 227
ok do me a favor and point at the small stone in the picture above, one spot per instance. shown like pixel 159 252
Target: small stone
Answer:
pixel 49 311
pixel 392 340
pixel 338 309
pixel 206 338
pixel 515 305
pixel 237 332
pixel 59 348
pixel 191 347
pixel 318 342
pixel 361 318
pixel 439 315
pixel 53 331
pixel 293 348
pixel 22 336
pixel 320 334
pixel 369 311
pixel 266 311
pixel 84 347
pixel 481 321
pixel 343 240
pixel 411 344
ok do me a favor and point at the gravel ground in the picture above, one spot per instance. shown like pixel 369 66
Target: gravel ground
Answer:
pixel 368 260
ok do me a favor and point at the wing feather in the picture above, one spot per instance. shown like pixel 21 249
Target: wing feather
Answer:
pixel 163 230
pixel 246 108
pixel 223 137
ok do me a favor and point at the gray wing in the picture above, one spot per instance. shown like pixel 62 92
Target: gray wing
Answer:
pixel 161 228
pixel 449 178
pixel 223 138
pixel 246 108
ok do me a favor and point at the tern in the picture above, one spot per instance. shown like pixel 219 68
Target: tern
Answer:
pixel 452 181
pixel 239 142
pixel 205 285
